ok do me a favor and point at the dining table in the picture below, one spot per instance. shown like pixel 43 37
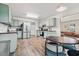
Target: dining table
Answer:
pixel 64 41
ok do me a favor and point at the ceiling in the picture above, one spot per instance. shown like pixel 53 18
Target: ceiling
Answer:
pixel 42 9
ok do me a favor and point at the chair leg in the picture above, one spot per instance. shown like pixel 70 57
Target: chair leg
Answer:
pixel 57 49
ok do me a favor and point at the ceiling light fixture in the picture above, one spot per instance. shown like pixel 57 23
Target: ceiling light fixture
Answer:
pixel 32 15
pixel 61 8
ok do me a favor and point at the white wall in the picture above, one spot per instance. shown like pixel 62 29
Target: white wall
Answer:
pixel 70 15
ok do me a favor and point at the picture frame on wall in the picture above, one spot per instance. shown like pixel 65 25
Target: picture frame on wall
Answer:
pixel 70 27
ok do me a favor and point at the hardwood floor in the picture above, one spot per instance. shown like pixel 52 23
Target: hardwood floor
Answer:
pixel 30 47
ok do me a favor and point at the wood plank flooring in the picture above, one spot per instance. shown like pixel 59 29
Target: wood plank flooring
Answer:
pixel 30 47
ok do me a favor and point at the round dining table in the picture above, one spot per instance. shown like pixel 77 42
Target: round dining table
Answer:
pixel 65 41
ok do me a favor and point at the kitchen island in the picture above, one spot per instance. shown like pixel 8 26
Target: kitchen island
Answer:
pixel 12 36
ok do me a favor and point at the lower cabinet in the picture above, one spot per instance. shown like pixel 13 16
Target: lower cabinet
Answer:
pixel 13 40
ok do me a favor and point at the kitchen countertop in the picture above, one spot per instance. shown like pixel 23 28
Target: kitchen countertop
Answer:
pixel 8 33
pixel 47 31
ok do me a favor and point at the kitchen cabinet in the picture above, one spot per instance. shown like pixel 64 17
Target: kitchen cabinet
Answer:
pixel 4 13
pixel 52 22
pixel 13 40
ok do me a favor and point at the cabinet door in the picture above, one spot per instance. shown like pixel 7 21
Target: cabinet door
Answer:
pixel 47 22
pixel 4 13
pixel 52 22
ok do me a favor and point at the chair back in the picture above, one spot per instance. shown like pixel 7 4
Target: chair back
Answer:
pixel 73 53
pixel 52 45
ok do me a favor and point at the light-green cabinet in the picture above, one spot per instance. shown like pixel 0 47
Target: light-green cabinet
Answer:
pixel 4 13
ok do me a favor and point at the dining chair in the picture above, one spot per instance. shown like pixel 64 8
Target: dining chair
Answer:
pixel 5 48
pixel 54 50
pixel 73 52
pixel 69 44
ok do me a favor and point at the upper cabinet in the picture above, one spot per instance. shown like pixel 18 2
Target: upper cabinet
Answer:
pixel 52 22
pixel 49 22
pixel 4 13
